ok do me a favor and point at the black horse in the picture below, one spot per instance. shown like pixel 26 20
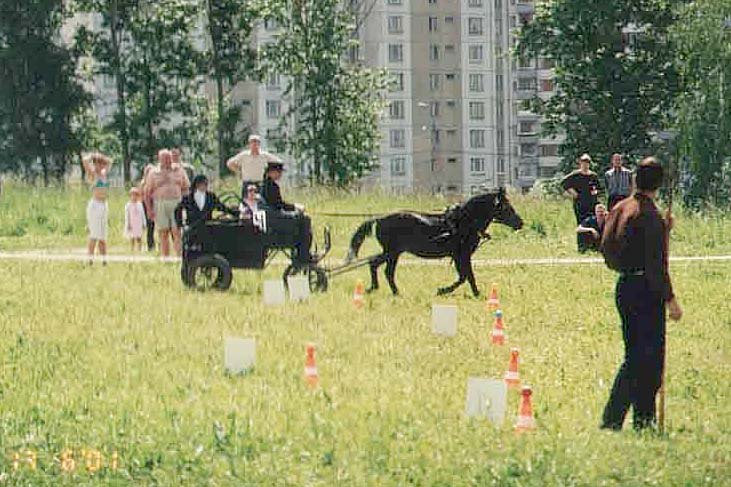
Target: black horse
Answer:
pixel 455 233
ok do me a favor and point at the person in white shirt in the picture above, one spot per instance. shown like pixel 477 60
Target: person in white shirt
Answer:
pixel 250 164
pixel 199 204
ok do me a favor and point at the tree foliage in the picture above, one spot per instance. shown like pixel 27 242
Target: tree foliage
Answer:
pixel 40 93
pixel 703 38
pixel 615 72
pixel 334 106
pixel 147 47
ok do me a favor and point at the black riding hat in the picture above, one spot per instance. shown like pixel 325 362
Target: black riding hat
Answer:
pixel 200 178
pixel 275 166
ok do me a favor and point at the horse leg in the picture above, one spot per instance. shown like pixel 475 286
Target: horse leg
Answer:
pixel 467 268
pixel 375 263
pixel 391 262
pixel 459 265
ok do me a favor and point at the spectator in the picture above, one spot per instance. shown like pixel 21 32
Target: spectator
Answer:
pixel 582 186
pixel 134 219
pixel 590 229
pixel 96 167
pixel 250 164
pixel 149 222
pixel 617 182
pixel 178 161
pixel 165 186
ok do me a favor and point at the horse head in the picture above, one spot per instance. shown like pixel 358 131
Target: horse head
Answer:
pixel 493 206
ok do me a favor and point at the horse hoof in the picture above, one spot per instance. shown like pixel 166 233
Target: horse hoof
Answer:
pixel 442 292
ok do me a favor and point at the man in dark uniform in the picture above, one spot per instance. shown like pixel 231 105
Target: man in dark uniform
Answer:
pixel 582 186
pixel 199 204
pixel 635 244
pixel 271 196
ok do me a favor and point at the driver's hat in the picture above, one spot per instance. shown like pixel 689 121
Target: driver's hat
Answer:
pixel 275 166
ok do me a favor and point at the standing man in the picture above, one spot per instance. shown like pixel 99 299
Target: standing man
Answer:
pixel 177 152
pixel 164 188
pixel 617 182
pixel 635 244
pixel 582 186
pixel 250 164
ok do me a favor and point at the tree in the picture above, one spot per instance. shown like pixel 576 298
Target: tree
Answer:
pixel 703 37
pixel 615 72
pixel 40 90
pixel 228 61
pixel 147 46
pixel 334 107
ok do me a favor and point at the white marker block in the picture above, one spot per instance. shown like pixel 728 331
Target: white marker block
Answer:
pixel 444 319
pixel 274 294
pixel 239 354
pixel 299 288
pixel 486 398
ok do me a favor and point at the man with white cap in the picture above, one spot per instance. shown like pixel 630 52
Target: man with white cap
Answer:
pixel 251 164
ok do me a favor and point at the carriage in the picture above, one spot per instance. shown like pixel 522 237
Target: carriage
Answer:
pixel 211 249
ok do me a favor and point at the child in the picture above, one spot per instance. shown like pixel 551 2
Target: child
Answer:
pixel 134 219
pixel 96 166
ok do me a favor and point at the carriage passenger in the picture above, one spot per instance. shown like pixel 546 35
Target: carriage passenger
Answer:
pixel 250 204
pixel 199 204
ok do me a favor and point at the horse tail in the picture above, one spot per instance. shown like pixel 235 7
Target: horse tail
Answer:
pixel 363 231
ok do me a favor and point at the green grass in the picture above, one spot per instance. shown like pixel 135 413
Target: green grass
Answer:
pixel 123 358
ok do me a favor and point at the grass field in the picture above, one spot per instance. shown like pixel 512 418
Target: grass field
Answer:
pixel 123 359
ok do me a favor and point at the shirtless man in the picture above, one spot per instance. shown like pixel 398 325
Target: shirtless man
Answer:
pixel 165 186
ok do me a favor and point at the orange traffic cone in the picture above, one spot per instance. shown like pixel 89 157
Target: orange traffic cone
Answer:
pixel 498 333
pixel 359 294
pixel 511 376
pixel 493 303
pixel 526 421
pixel 310 366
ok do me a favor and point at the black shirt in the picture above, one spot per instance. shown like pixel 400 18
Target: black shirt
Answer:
pixel 587 187
pixel 272 196
pixel 635 239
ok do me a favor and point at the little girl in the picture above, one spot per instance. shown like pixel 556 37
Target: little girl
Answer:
pixel 96 166
pixel 134 219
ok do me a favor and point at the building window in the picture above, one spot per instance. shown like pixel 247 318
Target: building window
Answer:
pixel 273 82
pixel 546 172
pixel 474 26
pixel 526 84
pixel 434 81
pixel 433 52
pixel 501 165
pixel 397 82
pixel 477 164
pixel 449 20
pixel 549 150
pixel 433 24
pixel 450 76
pixel 393 2
pixel 528 150
pixel 396 110
pixel 475 53
pixel 395 53
pixel 397 138
pixel 432 2
pixel 527 128
pixel 395 24
pixel 477 83
pixel 546 85
pixel 477 139
pixel 474 3
pixel 451 133
pixel 546 63
pixel 398 166
pixel 477 110
pixel 434 108
pixel 498 82
pixel 452 160
pixel 273 108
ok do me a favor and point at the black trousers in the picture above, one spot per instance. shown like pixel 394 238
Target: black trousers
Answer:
pixel 150 231
pixel 640 375
pixel 580 214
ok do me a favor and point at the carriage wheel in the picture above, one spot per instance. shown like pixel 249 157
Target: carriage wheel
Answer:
pixel 209 272
pixel 316 276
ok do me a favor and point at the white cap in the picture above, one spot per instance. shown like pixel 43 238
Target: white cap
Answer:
pixel 254 137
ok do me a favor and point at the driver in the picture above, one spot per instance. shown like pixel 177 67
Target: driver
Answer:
pixel 271 196
pixel 199 204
